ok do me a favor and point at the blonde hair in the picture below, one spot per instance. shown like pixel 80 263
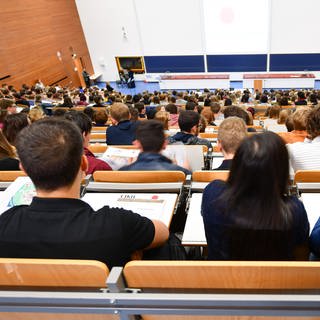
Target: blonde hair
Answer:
pixel 35 114
pixel 283 115
pixel 119 112
pixel 164 117
pixel 231 133
pixel 299 119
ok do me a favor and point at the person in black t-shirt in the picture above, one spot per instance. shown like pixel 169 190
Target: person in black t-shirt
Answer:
pixel 57 224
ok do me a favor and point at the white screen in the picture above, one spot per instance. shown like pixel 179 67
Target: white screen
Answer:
pixel 236 26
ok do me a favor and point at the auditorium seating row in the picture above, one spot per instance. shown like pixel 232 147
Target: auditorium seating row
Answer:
pixel 301 177
pixel 77 290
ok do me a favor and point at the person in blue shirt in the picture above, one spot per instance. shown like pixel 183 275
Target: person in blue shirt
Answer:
pixel 150 139
pixel 122 131
pixel 251 217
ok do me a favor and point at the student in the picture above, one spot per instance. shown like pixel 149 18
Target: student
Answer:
pixel 83 122
pixel 57 224
pixel 306 155
pixel 150 140
pixel 122 131
pixel 8 160
pixel 231 132
pixel 250 217
pixel 7 107
pixel 13 124
pixel 189 128
pixel 299 121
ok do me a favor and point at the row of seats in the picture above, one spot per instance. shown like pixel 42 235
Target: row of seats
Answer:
pixel 76 290
pixel 301 176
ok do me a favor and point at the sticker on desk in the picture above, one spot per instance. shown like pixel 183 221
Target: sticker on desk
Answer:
pixel 148 205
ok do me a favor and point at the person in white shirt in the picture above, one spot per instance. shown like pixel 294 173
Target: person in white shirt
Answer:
pixel 306 155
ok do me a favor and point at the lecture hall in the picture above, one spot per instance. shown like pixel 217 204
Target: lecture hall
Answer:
pixel 159 159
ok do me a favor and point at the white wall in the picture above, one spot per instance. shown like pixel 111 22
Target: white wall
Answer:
pixel 104 23
pixel 187 27
pixel 295 26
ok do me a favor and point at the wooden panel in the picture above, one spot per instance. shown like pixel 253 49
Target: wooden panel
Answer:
pixel 52 273
pixel 257 85
pixel 32 33
pixel 139 176
pixel 208 176
pixel 223 274
pixel 307 176
pixel 11 175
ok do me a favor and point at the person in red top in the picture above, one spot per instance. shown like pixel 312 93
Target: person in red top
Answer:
pixel 85 126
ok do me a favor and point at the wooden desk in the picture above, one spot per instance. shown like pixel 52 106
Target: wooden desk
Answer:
pixel 194 233
pixel 153 206
pixel 311 203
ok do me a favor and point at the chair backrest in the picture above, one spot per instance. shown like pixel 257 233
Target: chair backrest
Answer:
pixel 8 176
pixel 208 176
pixel 98 129
pixel 52 273
pixel 208 135
pixel 99 135
pixel 222 275
pixel 139 176
pixel 97 147
pixel 307 176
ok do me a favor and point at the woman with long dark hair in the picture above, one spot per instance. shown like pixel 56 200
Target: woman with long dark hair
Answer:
pixel 8 157
pixel 251 217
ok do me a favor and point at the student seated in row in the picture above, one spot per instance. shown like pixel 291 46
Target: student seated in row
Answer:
pixel 189 122
pixel 231 132
pixel 150 140
pixel 57 224
pixel 83 122
pixel 251 217
pixel 122 131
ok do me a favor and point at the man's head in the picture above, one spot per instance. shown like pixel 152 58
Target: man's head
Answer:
pixel 299 119
pixel 119 112
pixel 50 151
pixel 313 123
pixel 8 106
pixel 150 136
pixel 231 133
pixel 83 122
pixel 234 111
pixel 188 120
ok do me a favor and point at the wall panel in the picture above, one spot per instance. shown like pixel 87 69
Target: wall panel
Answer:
pixel 31 34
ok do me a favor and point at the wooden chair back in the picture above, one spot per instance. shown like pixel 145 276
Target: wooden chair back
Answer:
pixel 138 176
pixel 7 176
pixel 208 176
pixel 223 274
pixel 215 276
pixel 307 176
pixel 98 136
pixel 97 147
pixel 98 129
pixel 52 273
pixel 208 135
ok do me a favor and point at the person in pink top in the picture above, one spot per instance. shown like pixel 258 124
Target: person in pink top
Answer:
pixel 85 125
pixel 173 110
